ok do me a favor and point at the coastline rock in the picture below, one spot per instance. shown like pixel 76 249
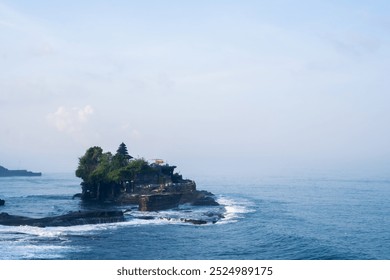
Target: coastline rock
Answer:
pixel 157 202
pixel 146 218
pixel 2 202
pixel 199 198
pixel 70 219
pixel 195 222
pixel 165 198
pixel 127 198
pixel 77 195
pixel 4 172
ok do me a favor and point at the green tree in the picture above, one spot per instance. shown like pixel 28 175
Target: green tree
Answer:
pixel 122 157
pixel 122 150
pixel 104 175
pixel 93 169
pixel 134 167
pixel 88 163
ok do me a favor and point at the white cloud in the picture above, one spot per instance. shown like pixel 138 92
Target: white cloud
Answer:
pixel 83 114
pixel 70 120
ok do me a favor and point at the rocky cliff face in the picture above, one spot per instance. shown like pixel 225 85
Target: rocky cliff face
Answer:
pixel 157 202
pixel 155 197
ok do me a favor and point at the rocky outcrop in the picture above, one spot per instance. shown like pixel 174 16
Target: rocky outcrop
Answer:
pixel 156 198
pixel 157 202
pixel 70 219
pixel 4 172
pixel 194 221
pixel 199 198
pixel 189 193
pixel 123 179
pixel 2 202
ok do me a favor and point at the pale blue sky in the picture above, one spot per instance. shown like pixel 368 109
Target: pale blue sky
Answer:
pixel 207 85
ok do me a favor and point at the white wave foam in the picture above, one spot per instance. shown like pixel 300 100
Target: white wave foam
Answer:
pixel 89 229
pixel 21 242
pixel 26 243
pixel 53 232
pixel 235 209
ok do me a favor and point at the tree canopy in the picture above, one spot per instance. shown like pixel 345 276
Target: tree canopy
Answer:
pixel 122 157
pixel 103 174
pixel 122 150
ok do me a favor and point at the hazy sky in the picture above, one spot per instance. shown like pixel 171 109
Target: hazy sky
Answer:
pixel 207 85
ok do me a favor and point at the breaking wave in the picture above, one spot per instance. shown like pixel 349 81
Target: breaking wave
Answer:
pixel 235 209
pixel 26 242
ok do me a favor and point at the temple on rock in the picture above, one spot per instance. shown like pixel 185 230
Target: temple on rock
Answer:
pixel 121 178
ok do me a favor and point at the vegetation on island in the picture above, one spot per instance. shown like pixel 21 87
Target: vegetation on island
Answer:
pixel 105 176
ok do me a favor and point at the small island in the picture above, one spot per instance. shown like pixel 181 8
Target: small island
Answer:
pixel 4 172
pixel 122 179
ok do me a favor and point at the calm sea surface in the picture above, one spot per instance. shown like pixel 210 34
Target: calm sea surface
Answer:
pixel 267 218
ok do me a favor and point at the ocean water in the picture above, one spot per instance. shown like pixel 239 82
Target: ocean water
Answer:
pixel 264 218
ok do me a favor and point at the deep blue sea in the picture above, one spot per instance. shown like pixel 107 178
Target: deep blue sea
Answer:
pixel 265 218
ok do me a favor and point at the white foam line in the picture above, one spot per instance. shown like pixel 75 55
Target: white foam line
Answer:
pixel 235 208
pixel 89 229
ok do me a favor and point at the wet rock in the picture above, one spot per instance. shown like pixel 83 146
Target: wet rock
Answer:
pixel 199 198
pixel 146 218
pixel 77 195
pixel 127 198
pixel 205 201
pixel 215 217
pixel 70 219
pixel 195 222
pixel 157 202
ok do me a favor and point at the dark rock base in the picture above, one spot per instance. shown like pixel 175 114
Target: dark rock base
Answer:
pixel 71 219
pixel 157 202
pixel 167 200
pixel 199 198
